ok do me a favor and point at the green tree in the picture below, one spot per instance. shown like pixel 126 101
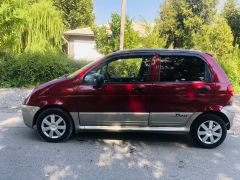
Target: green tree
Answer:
pixel 12 24
pixel 30 26
pixel 231 12
pixel 103 39
pixel 108 39
pixel 151 37
pixel 76 13
pixel 44 27
pixel 182 18
pixel 216 38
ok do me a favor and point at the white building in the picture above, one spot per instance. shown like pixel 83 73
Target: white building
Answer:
pixel 81 44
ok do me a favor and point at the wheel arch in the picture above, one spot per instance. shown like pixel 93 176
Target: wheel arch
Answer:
pixel 48 107
pixel 219 114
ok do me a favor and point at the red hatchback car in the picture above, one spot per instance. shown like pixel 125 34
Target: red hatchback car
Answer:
pixel 177 91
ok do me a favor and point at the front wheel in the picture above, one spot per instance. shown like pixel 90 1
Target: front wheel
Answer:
pixel 209 131
pixel 54 125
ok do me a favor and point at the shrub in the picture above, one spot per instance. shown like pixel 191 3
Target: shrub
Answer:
pixel 30 69
pixel 231 65
pixel 232 71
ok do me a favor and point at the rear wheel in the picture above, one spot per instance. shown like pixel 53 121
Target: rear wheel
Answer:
pixel 54 125
pixel 209 131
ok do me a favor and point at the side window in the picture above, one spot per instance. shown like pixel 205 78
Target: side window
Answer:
pixel 183 68
pixel 124 70
pixel 121 69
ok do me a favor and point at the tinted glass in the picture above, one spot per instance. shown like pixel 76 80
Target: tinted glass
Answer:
pixel 126 70
pixel 180 69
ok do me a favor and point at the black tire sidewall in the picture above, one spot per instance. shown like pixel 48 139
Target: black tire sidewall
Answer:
pixel 205 118
pixel 62 114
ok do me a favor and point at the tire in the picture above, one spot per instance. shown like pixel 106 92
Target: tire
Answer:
pixel 209 131
pixel 54 125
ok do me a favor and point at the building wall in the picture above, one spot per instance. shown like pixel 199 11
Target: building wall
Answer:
pixel 83 48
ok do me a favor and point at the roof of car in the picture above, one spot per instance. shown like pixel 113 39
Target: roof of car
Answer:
pixel 163 51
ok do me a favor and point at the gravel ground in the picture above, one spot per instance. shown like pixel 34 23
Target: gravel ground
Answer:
pixel 13 98
pixel 23 155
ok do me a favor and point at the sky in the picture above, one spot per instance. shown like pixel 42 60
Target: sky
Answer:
pixel 136 9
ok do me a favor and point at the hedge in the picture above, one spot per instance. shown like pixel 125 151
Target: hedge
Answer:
pixel 31 69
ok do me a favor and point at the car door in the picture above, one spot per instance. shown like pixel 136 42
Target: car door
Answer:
pixel 184 88
pixel 123 98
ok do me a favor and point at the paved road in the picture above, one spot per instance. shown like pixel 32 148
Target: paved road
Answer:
pixel 23 155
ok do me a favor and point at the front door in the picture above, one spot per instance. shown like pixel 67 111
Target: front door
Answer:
pixel 183 89
pixel 123 99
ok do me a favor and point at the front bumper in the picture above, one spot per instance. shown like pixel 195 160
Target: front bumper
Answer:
pixel 28 113
pixel 229 111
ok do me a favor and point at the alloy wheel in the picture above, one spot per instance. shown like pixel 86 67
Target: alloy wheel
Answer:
pixel 53 126
pixel 209 132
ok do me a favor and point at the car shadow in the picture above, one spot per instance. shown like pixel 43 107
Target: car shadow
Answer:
pixel 148 138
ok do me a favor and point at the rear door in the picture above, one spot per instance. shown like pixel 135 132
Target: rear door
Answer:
pixel 184 87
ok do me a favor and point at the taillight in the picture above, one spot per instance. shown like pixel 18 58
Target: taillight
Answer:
pixel 230 90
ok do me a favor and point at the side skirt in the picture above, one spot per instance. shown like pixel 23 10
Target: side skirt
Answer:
pixel 185 128
pixel 128 129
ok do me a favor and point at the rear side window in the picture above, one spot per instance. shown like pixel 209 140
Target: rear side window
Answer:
pixel 183 68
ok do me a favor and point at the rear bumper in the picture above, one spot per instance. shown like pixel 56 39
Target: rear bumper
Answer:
pixel 28 113
pixel 229 111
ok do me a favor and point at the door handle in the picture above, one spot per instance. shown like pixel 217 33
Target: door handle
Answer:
pixel 203 90
pixel 138 89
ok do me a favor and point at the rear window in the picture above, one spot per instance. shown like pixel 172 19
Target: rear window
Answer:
pixel 183 68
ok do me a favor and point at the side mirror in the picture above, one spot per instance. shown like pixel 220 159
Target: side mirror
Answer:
pixel 99 80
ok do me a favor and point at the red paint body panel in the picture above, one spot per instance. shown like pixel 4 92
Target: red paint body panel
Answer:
pixel 113 98
pixel 60 92
pixel 221 97
pixel 180 97
pixel 74 96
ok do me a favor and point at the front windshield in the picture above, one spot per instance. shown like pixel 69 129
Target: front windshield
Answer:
pixel 82 69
